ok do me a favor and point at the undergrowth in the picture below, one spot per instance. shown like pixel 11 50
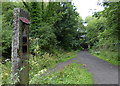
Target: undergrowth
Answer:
pixel 71 74
pixel 109 56
pixel 47 61
pixel 37 64
pixel 5 72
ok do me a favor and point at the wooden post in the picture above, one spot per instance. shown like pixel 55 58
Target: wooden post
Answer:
pixel 20 47
pixel 0 42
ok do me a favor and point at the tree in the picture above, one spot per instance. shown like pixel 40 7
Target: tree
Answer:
pixel 94 28
pixel 7 13
pixel 66 28
pixel 103 30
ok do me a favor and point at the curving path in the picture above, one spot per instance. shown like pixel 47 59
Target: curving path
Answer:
pixel 103 72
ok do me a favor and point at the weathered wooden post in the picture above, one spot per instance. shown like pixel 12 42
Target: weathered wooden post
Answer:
pixel 20 47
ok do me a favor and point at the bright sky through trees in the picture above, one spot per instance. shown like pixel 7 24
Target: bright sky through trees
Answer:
pixel 87 7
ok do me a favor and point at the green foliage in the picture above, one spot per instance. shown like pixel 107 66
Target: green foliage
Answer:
pixel 5 72
pixel 71 74
pixel 46 40
pixel 41 62
pixel 35 20
pixel 112 15
pixel 7 20
pixel 111 57
pixel 47 61
pixel 103 32
pixel 52 25
pixel 64 56
pixel 62 23
pixel 37 64
pixel 6 36
pixel 66 28
pixel 94 28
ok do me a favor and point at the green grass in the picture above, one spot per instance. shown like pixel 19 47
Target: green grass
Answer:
pixel 37 64
pixel 111 57
pixel 5 72
pixel 71 74
pixel 48 61
pixel 66 56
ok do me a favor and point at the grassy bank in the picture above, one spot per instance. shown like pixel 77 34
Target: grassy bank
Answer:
pixel 37 63
pixel 47 61
pixel 71 74
pixel 111 57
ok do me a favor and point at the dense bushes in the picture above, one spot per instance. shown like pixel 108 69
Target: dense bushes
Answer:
pixel 45 41
pixel 7 20
pixel 103 31
pixel 48 31
pixel 61 24
pixel 6 39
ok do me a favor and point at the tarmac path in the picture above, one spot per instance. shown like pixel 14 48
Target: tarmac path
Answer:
pixel 102 71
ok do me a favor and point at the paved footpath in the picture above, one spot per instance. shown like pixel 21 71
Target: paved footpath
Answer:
pixel 102 71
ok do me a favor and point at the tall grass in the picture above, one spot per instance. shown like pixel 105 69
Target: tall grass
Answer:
pixel 109 56
pixel 37 64
pixel 71 74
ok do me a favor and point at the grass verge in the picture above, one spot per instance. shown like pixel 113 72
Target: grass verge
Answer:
pixel 114 62
pixel 110 57
pixel 66 56
pixel 37 64
pixel 71 74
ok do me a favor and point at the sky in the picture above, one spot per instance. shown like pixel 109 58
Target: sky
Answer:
pixel 84 6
